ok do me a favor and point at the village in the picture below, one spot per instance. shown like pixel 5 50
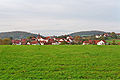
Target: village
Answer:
pixel 64 40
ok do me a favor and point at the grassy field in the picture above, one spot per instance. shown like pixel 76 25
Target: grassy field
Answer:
pixel 112 41
pixel 59 62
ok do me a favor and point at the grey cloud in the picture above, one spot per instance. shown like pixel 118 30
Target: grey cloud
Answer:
pixel 69 14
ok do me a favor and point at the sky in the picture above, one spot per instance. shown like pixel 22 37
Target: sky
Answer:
pixel 57 17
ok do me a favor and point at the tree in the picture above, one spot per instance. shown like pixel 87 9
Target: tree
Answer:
pixel 77 39
pixel 6 41
pixel 11 38
pixel 29 37
pixel 102 38
pixel 113 42
pixel 63 43
pixel 0 41
pixel 113 34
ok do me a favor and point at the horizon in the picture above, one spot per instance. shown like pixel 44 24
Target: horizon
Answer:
pixel 43 34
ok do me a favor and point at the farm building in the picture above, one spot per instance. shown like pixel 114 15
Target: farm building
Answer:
pixel 102 42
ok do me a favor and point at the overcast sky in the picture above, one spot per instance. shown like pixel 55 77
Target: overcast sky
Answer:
pixel 58 17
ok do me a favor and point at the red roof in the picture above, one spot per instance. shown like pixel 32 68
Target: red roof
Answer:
pixel 33 38
pixel 91 41
pixel 104 41
pixel 80 41
pixel 23 40
pixel 68 41
pixel 17 41
pixel 70 36
pixel 42 41
pixel 51 40
pixel 48 37
pixel 13 41
pixel 118 33
pixel 96 41
pixel 86 42
pixel 34 42
pixel 60 41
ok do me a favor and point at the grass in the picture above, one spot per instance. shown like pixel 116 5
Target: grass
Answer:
pixel 112 41
pixel 61 62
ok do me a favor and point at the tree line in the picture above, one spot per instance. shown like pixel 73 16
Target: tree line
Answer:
pixel 6 41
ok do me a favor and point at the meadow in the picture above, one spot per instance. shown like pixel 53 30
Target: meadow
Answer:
pixel 61 62
pixel 116 40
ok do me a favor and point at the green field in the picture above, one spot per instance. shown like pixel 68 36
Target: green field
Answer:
pixel 112 41
pixel 72 62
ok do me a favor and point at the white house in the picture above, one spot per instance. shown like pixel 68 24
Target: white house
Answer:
pixel 101 42
pixel 54 39
pixel 28 43
pixel 85 43
pixel 61 40
pixel 98 36
pixel 40 39
pixel 46 40
pixel 18 43
pixel 55 43
pixel 42 43
pixel 70 40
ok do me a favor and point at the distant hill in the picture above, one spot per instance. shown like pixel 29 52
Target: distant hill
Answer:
pixel 22 34
pixel 87 33
pixel 16 34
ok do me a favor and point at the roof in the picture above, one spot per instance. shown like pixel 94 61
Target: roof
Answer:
pixel 23 40
pixel 86 42
pixel 118 33
pixel 34 42
pixel 96 41
pixel 104 41
pixel 48 37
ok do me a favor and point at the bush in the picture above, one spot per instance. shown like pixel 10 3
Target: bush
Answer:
pixel 63 43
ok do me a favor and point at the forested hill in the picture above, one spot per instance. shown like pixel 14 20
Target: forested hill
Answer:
pixel 87 33
pixel 16 34
pixel 22 34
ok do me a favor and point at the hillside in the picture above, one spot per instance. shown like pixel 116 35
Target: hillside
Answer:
pixel 16 34
pixel 87 33
pixel 22 34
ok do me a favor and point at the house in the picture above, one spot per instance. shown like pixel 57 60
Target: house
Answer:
pixel 23 41
pixel 106 35
pixel 86 43
pixel 61 40
pixel 102 42
pixel 118 34
pixel 95 42
pixel 28 43
pixel 98 36
pixel 40 39
pixel 35 43
pixel 69 37
pixel 118 43
pixel 42 42
pixel 48 37
pixel 90 41
pixel 68 41
pixel 16 42
pixel 55 43
pixel 54 39
pixel 33 38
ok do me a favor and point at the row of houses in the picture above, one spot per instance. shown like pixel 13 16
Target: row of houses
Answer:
pixel 42 41
pixel 106 35
pixel 53 41
pixel 95 42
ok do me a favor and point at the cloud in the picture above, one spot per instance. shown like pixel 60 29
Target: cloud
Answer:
pixel 54 15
